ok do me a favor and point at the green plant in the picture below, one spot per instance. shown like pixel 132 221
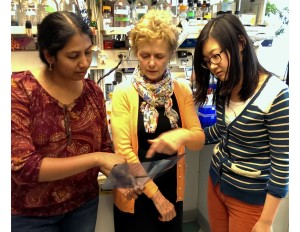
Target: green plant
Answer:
pixel 282 14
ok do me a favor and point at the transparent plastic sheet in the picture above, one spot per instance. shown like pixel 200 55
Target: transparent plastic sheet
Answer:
pixel 131 175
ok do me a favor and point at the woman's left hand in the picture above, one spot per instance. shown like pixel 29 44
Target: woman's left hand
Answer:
pixel 165 208
pixel 260 226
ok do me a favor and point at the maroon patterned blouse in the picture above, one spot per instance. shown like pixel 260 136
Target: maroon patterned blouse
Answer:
pixel 43 127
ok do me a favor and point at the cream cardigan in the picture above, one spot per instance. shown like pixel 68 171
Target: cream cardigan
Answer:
pixel 125 107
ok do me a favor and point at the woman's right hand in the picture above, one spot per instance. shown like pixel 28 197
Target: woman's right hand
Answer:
pixel 164 207
pixel 167 143
pixel 107 161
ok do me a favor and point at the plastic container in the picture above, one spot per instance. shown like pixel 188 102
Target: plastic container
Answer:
pixel 108 42
pixel 207 116
pixel 189 43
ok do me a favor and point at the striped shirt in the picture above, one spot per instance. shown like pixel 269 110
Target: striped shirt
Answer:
pixel 251 157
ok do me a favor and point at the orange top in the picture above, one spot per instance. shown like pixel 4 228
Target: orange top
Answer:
pixel 125 115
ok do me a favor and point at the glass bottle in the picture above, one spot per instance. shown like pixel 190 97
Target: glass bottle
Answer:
pixel 15 11
pixel 195 4
pixel 132 16
pixel 67 5
pixel 204 7
pixel 141 8
pixel 163 5
pixel 110 3
pixel 180 2
pixel 153 4
pixel 199 11
pixel 206 10
pixel 191 12
pixel 107 17
pixel 121 13
pixel 23 10
pixel 182 13
pixel 43 7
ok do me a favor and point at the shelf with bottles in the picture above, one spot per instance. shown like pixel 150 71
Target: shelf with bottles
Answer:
pixel 34 11
pixel 191 29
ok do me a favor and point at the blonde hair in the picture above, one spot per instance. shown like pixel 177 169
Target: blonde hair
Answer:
pixel 155 24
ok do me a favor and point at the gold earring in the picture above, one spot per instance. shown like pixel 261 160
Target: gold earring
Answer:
pixel 50 67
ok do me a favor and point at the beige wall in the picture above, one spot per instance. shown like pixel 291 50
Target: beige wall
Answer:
pixel 23 60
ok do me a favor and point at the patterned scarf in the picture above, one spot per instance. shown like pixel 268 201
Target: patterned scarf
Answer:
pixel 155 95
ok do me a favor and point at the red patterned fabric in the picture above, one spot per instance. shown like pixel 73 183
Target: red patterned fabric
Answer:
pixel 38 130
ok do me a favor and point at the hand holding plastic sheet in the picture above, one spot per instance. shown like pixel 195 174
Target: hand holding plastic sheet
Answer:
pixel 130 175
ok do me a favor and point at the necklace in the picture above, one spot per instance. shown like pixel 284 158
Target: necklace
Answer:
pixel 232 110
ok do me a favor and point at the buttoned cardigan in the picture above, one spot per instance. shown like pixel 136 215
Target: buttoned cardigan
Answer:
pixel 251 157
pixel 124 121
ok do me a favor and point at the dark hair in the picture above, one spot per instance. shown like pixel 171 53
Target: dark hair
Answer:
pixel 229 32
pixel 56 29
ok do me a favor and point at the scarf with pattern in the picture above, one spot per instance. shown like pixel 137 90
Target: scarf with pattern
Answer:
pixel 155 95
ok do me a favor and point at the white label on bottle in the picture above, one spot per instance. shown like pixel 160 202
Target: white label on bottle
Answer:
pixel 107 23
pixel 141 11
pixel 121 12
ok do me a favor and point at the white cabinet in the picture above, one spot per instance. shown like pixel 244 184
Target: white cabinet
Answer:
pixel 105 218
